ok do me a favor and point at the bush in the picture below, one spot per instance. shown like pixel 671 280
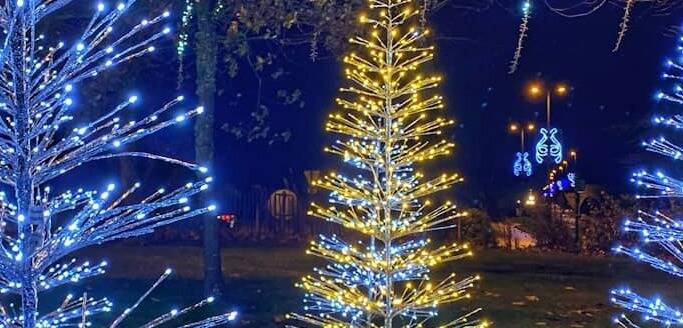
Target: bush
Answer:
pixel 475 229
pixel 601 227
pixel 550 231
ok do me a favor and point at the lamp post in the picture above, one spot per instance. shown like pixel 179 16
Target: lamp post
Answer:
pixel 574 156
pixel 549 146
pixel 537 88
pixel 522 164
pixel 522 130
pixel 577 232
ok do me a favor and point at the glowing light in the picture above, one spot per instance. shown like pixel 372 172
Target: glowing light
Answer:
pixel 522 165
pixel 41 228
pixel 523 33
pixel 662 234
pixel 548 146
pixel 387 281
pixel 561 89
pixel 530 199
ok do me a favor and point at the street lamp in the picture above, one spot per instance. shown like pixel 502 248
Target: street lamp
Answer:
pixel 522 164
pixel 522 130
pixel 530 199
pixel 573 155
pixel 537 88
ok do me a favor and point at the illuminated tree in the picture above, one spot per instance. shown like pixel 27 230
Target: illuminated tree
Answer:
pixel 40 142
pixel 386 121
pixel 661 236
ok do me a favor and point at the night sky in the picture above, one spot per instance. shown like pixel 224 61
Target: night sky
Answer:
pixel 605 116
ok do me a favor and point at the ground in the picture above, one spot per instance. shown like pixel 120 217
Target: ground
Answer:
pixel 520 289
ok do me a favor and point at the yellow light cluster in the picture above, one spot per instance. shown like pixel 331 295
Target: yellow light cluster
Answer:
pixel 388 120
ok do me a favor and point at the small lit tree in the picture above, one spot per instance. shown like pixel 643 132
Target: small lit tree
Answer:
pixel 387 125
pixel 656 229
pixel 40 142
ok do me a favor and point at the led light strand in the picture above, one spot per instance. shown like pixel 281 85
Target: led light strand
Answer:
pixel 522 35
pixel 623 26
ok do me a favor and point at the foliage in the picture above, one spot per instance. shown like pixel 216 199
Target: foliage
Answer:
pixel 255 37
pixel 550 231
pixel 601 227
pixel 476 227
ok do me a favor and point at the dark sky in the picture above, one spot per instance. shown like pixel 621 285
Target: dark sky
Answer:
pixel 604 118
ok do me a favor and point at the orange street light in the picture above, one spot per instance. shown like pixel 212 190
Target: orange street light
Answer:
pixel 523 130
pixel 536 88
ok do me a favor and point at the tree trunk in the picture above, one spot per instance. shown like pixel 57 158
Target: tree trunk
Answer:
pixel 206 52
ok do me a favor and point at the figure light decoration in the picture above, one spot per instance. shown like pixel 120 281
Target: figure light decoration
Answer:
pixel 40 142
pixel 522 164
pixel 387 125
pixel 661 236
pixel 548 146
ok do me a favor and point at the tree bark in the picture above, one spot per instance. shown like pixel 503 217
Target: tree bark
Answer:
pixel 206 52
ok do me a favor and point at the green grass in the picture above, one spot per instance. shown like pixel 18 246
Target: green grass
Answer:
pixel 519 290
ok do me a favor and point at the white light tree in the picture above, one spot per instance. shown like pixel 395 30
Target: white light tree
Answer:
pixel 40 141
pixel 388 125
pixel 661 236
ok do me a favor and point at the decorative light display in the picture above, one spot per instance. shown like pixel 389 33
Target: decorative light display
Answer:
pixel 548 146
pixel 384 281
pixel 656 228
pixel 522 164
pixel 560 179
pixel 623 26
pixel 571 177
pixel 523 33
pixel 41 142
pixel 564 183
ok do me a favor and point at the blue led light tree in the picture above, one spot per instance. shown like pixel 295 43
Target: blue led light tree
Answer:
pixel 656 229
pixel 40 141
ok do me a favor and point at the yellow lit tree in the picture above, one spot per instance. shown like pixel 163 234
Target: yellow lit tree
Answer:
pixel 387 126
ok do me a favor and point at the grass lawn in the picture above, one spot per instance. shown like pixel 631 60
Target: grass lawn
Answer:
pixel 518 290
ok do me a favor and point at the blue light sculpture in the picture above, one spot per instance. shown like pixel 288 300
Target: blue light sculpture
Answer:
pixel 522 165
pixel 548 146
pixel 656 229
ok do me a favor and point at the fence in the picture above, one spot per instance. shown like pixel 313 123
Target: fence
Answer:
pixel 275 215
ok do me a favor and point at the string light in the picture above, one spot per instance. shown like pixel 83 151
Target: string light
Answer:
pixel 41 142
pixel 656 228
pixel 387 124
pixel 623 26
pixel 522 35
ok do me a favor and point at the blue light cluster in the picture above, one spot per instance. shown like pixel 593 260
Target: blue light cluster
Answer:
pixel 661 236
pixel 522 165
pixel 549 146
pixel 40 141
pixel 565 183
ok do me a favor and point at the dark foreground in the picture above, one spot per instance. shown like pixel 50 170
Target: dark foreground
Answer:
pixel 518 290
